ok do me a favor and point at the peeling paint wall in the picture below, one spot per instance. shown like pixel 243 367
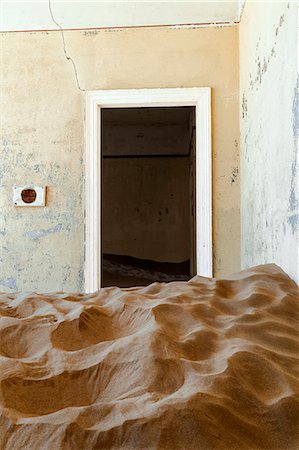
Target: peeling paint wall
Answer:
pixel 269 134
pixel 42 136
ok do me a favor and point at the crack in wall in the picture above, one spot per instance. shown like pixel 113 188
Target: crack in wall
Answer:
pixel 67 56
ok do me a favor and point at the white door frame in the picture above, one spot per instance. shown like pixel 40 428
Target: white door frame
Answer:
pixel 95 100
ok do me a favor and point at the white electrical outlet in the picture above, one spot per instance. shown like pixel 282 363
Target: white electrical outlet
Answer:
pixel 29 195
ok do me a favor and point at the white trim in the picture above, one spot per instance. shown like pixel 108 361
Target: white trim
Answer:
pixel 198 97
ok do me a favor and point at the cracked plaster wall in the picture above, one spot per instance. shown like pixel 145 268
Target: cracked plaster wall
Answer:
pixel 42 136
pixel 269 134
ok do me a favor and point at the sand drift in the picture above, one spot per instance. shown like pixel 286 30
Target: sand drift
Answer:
pixel 204 364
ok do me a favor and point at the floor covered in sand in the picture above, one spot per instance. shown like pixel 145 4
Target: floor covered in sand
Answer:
pixel 205 364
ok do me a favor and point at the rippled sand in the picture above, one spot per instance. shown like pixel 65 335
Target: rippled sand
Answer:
pixel 204 364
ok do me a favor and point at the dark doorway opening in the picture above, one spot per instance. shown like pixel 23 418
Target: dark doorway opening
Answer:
pixel 147 195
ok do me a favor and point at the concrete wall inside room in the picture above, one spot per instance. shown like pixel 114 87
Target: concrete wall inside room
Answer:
pixel 43 136
pixel 146 183
pixel 269 135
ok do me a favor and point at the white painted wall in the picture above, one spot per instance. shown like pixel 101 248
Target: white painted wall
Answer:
pixel 269 134
pixel 35 15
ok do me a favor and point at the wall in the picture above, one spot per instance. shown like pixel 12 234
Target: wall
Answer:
pixel 42 137
pixel 146 131
pixel 149 200
pixel 269 134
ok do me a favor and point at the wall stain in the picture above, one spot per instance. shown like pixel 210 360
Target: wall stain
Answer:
pixel 244 106
pixel 38 32
pixel 234 174
pixel 293 201
pixel 262 64
pixel 295 110
pixel 81 278
pixel 37 234
pixel 114 30
pixel 262 68
pixel 36 168
pixel 4 142
pixel 293 222
pixel 281 21
pixel 9 282
pixel 90 32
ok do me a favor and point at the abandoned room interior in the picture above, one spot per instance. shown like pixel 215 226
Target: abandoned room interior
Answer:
pixel 149 256
pixel 146 165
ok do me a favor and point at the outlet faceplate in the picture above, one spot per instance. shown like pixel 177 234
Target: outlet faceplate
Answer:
pixel 29 195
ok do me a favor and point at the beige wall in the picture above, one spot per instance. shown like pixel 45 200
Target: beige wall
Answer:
pixel 269 134
pixel 42 137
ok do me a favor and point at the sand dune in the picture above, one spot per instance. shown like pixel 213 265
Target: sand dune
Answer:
pixel 204 364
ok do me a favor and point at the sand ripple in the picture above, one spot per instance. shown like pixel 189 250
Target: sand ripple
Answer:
pixel 204 364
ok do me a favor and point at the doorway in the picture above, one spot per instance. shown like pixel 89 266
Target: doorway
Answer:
pixel 96 102
pixel 147 166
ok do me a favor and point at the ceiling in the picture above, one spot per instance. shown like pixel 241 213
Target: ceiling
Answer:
pixel 35 15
